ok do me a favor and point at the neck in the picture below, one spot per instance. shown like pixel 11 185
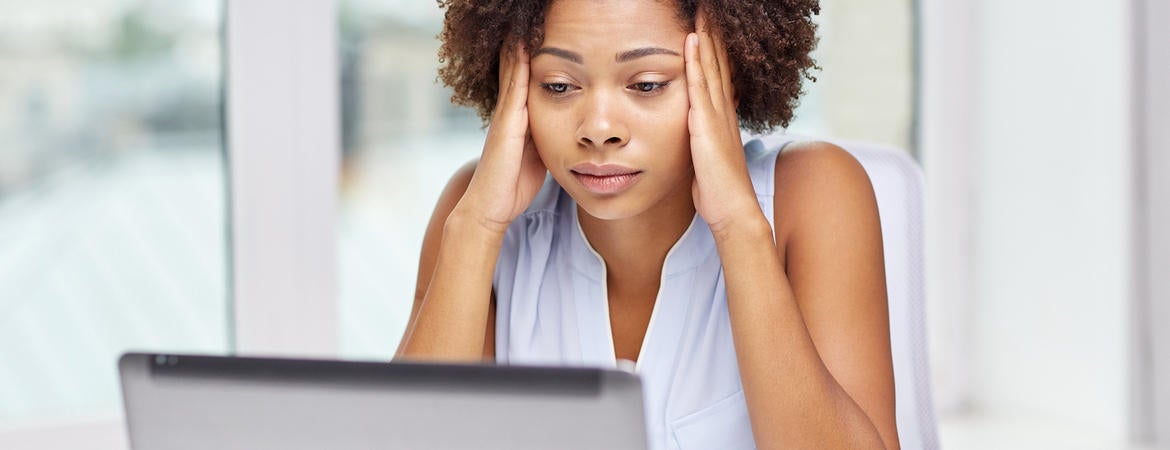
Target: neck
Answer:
pixel 634 249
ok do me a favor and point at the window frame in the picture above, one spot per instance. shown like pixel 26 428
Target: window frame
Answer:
pixel 1150 246
pixel 946 143
pixel 284 146
pixel 100 433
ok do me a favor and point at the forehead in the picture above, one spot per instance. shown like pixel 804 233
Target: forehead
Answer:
pixel 609 24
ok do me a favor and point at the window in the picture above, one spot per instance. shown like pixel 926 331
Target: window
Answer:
pixel 112 197
pixel 402 140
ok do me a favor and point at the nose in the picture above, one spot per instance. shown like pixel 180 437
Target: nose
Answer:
pixel 601 126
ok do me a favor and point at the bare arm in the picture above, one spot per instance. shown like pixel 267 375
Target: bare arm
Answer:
pixel 453 315
pixel 428 260
pixel 812 339
pixel 833 252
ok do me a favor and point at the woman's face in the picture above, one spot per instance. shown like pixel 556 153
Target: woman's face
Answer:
pixel 608 104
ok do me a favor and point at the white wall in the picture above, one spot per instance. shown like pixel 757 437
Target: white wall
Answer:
pixel 1051 211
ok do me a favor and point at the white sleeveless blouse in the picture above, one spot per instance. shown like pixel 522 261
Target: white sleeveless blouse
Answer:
pixel 552 308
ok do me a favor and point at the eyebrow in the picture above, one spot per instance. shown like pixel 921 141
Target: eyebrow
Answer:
pixel 622 57
pixel 562 53
pixel 645 51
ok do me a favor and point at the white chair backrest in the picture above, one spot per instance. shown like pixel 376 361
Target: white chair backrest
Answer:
pixel 898 185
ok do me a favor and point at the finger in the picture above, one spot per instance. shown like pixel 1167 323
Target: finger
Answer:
pixel 724 65
pixel 513 76
pixel 707 57
pixel 520 74
pixel 697 91
pixel 509 122
pixel 516 101
pixel 504 75
pixel 508 134
pixel 728 86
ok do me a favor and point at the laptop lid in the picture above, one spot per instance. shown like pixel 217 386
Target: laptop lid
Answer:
pixel 178 402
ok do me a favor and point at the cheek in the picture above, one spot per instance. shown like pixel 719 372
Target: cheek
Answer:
pixel 547 126
pixel 665 126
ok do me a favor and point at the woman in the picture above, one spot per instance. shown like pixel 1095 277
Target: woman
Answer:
pixel 747 286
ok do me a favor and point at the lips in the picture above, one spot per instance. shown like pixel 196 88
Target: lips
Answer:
pixel 607 179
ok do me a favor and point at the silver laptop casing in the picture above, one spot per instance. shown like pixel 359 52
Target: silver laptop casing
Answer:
pixel 181 402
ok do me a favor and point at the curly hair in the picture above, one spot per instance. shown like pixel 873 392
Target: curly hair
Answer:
pixel 768 41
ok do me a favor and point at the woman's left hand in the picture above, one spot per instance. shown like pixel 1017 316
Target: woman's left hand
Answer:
pixel 722 189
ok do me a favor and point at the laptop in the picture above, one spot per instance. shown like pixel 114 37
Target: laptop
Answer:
pixel 179 402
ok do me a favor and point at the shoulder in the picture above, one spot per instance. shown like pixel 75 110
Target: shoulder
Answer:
pixel 805 162
pixel 820 188
pixel 458 183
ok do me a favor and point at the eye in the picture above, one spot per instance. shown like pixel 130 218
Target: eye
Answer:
pixel 648 87
pixel 556 89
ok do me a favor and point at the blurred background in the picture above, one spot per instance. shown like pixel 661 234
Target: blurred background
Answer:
pixel 112 196
pixel 118 171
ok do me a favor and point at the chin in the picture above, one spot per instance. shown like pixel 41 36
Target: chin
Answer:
pixel 621 206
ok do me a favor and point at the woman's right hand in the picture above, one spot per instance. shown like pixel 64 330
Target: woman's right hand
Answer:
pixel 510 172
